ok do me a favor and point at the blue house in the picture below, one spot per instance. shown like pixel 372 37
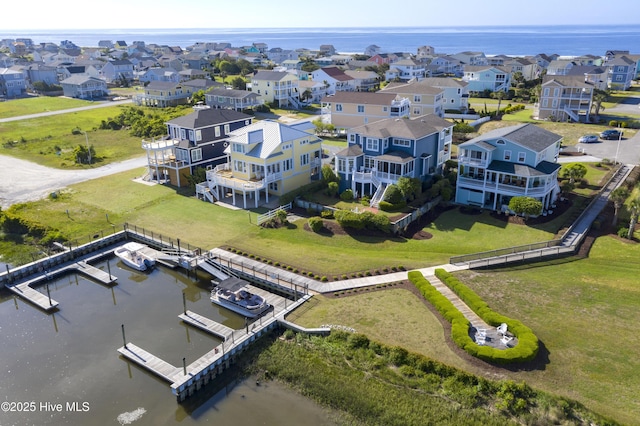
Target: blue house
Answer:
pixel 512 161
pixel 380 153
pixel 622 71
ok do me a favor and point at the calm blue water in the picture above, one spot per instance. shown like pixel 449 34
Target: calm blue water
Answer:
pixel 508 40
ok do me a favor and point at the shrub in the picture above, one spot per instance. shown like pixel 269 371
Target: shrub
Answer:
pixel 393 195
pixel 326 214
pixel 332 189
pixel 316 224
pixel 623 232
pixel 356 340
pixel 347 195
pixel 288 334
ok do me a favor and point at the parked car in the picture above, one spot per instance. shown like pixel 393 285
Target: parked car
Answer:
pixel 611 134
pixel 588 139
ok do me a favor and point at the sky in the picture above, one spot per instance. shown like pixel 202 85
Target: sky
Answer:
pixel 127 14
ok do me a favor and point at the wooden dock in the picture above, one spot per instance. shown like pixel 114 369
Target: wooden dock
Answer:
pixel 93 272
pixel 40 300
pixel 206 324
pixel 150 362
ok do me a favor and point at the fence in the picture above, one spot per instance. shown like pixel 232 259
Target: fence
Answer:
pixel 272 213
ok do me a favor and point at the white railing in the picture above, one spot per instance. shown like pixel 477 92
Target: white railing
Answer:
pixel 160 144
pixel 505 188
pixel 272 213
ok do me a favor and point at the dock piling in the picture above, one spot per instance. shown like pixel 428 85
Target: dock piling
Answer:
pixel 184 365
pixel 184 302
pixel 49 294
pixel 123 338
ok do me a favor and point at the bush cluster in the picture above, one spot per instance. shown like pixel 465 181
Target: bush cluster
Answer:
pixel 366 220
pixel 389 207
pixel 525 350
pixel 316 224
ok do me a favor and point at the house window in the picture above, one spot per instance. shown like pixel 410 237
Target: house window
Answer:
pixel 273 186
pixel 402 142
pixel 360 108
pixel 238 148
pixel 196 155
pixel 556 92
pixel 545 103
pixel 618 78
pixel 338 107
pixel 198 135
pixel 227 129
pixel 500 142
pixel 546 92
pixel 217 131
pixel 183 134
pixel 372 144
pixel 522 156
pixel 352 137
pixel 417 98
pixel 342 165
pixel 287 165
pixel 182 155
pixel 417 111
pixel 369 163
pixel 239 166
pixel 304 159
pixel 507 156
pixel 384 109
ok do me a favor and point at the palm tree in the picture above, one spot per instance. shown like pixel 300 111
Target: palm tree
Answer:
pixel 599 96
pixel 618 196
pixel 500 95
pixel 634 205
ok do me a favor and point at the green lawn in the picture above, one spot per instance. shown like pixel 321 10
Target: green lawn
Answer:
pixel 583 311
pixel 35 105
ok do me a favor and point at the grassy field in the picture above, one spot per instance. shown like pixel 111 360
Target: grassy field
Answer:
pixel 581 309
pixel 38 139
pixel 35 105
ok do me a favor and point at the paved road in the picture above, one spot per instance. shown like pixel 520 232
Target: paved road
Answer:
pixel 66 111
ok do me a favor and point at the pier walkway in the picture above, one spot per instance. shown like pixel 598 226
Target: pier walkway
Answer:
pixel 204 323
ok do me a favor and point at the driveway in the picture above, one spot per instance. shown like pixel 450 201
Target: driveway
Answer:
pixel 626 151
pixel 22 181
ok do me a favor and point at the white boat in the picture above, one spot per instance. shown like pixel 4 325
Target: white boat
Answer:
pixel 133 255
pixel 234 295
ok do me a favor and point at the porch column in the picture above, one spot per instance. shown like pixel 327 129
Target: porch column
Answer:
pixel 266 193
pixel 233 195
pixel 244 199
pixel 256 194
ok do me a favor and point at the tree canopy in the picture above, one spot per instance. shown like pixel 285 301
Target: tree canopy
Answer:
pixel 525 205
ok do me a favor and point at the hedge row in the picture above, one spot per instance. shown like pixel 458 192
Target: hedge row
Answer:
pixel 527 347
pixel 525 350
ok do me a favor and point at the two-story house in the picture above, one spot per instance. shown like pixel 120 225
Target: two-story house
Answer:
pixel 472 58
pixel 405 69
pixel 456 92
pixel 118 70
pixel 238 100
pixel 364 81
pixel 512 161
pixel 277 87
pixel 336 79
pixel 481 78
pixel 424 98
pixel 84 87
pixel 622 71
pixel 380 153
pixel 12 83
pixel 267 158
pixel 164 94
pixel 194 140
pixel 351 109
pixel 564 98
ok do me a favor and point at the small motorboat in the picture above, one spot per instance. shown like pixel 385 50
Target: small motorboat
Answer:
pixel 233 294
pixel 133 255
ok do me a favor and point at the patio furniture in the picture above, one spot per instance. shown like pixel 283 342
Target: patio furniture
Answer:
pixel 502 328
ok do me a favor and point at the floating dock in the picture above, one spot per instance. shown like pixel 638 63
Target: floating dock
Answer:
pixel 204 323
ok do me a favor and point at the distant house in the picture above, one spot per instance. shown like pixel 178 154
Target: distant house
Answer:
pixel 43 73
pixel 237 100
pixel 158 74
pixel 194 140
pixel 84 87
pixel 372 50
pixel 472 58
pixel 12 83
pixel 530 70
pixel 446 65
pixel 424 98
pixel 267 158
pixel 481 78
pixel 327 50
pixel 560 66
pixel 364 81
pixel 118 70
pixel 405 69
pixel 456 92
pixel 596 75
pixel 335 78
pixel 191 74
pixel 164 94
pixel 105 44
pixel 508 162
pixel 312 91
pixel 204 84
pixel 352 109
pixel 622 71
pixel 380 153
pixel 564 98
pixel 276 87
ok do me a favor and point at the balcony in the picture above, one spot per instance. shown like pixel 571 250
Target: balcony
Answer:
pixel 470 161
pixel 514 189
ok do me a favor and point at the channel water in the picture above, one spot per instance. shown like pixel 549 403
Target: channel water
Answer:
pixel 63 367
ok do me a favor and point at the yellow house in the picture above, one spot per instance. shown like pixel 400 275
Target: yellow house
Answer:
pixel 353 109
pixel 265 157
pixel 277 87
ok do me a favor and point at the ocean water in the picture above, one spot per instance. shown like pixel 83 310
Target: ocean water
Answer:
pixel 566 40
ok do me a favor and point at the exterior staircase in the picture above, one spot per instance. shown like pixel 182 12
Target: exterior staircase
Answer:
pixel 378 195
pixel 572 114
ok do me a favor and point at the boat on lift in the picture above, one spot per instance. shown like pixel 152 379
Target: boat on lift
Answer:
pixel 133 255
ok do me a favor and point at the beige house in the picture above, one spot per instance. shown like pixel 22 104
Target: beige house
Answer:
pixel 277 87
pixel 351 109
pixel 564 98
pixel 267 158
pixel 424 97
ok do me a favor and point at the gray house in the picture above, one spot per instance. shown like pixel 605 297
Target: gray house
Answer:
pixel 84 87
pixel 233 99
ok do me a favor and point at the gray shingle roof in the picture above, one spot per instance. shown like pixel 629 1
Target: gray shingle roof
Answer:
pixel 528 135
pixel 208 117
pixel 365 98
pixel 416 128
pixel 268 135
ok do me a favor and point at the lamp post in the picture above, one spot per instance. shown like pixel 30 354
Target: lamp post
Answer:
pixel 86 138
pixel 619 139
